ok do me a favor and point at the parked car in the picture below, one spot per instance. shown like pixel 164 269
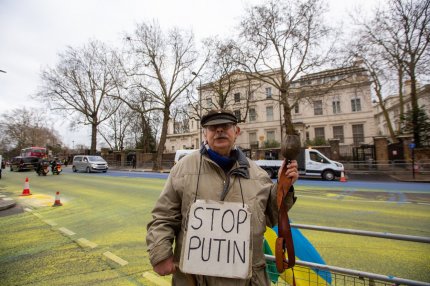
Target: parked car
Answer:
pixel 23 163
pixel 88 163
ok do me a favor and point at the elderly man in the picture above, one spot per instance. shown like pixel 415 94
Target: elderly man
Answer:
pixel 218 172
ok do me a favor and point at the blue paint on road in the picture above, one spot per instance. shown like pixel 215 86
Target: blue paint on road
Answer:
pixel 347 187
pixel 384 186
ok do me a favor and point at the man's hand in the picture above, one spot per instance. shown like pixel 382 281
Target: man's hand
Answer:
pixel 165 267
pixel 291 170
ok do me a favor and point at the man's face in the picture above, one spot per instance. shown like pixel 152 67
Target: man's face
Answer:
pixel 221 137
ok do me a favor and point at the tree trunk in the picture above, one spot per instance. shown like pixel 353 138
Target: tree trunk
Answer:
pixel 288 121
pixel 415 110
pixel 389 124
pixel 401 100
pixel 160 149
pixel 93 148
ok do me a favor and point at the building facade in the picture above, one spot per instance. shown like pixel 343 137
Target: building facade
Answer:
pixel 325 105
pixel 392 105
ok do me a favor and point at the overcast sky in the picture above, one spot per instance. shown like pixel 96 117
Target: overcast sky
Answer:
pixel 33 32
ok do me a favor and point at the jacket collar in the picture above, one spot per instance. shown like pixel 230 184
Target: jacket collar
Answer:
pixel 242 164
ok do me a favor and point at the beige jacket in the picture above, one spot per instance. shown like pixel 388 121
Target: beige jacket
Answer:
pixel 171 210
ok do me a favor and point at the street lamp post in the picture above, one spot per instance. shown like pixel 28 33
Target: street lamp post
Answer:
pixel 200 104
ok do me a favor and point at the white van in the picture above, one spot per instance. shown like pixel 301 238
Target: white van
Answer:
pixel 182 153
pixel 310 162
pixel 89 163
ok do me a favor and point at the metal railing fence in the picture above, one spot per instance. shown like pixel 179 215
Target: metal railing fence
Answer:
pixel 304 271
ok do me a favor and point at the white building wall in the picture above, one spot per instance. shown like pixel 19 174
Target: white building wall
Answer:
pixel 306 120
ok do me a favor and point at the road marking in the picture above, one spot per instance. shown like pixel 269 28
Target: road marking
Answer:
pixel 86 243
pixel 155 279
pixel 2 196
pixel 38 215
pixel 28 210
pixel 423 204
pixel 115 258
pixel 66 231
pixel 50 222
pixel 7 199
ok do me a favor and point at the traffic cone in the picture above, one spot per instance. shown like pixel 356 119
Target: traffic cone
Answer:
pixel 342 177
pixel 57 202
pixel 26 191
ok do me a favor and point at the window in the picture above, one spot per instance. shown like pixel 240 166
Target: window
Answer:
pixel 253 139
pixel 270 135
pixel 314 156
pixel 173 148
pixel 209 102
pixel 269 113
pixel 252 115
pixel 237 97
pixel 338 133
pixel 319 133
pixel 268 92
pixel 296 108
pixel 176 128
pixel 318 107
pixel 357 134
pixel 308 137
pixel 336 106
pixel 355 105
pixel 237 114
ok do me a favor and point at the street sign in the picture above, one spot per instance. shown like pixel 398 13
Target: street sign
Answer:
pixel 411 145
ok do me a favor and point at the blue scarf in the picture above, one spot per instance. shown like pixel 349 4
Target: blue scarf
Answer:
pixel 224 162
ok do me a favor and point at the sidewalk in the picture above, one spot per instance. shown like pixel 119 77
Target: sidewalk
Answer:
pixel 6 203
pixel 407 177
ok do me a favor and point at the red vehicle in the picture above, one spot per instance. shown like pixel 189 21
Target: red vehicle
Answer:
pixel 39 152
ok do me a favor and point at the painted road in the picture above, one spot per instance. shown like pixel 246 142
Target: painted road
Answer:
pixel 358 182
pixel 105 215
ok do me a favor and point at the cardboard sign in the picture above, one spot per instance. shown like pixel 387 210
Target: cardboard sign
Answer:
pixel 218 240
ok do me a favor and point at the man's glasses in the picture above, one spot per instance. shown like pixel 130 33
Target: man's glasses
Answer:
pixel 225 126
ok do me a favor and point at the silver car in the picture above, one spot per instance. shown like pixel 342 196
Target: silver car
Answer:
pixel 88 163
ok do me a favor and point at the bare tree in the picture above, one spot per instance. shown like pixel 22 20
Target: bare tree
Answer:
pixel 81 83
pixel 282 41
pixel 163 65
pixel 403 31
pixel 221 70
pixel 21 128
pixel 118 127
pixel 377 74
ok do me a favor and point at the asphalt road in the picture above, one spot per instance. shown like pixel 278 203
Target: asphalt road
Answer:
pixel 107 213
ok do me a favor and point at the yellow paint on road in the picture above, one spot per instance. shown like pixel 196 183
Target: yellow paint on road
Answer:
pixel 37 200
pixel 115 258
pixel 37 215
pixel 50 222
pixel 66 231
pixel 155 279
pixel 86 243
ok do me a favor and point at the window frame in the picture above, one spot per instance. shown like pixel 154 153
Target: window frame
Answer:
pixel 318 107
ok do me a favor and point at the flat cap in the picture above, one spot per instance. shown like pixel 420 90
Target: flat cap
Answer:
pixel 218 116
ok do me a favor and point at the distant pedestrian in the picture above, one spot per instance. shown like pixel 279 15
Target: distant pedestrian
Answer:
pixel 133 162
